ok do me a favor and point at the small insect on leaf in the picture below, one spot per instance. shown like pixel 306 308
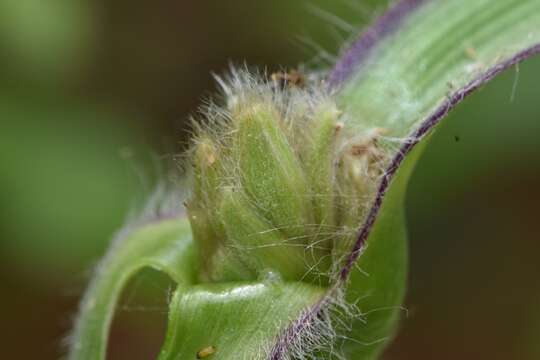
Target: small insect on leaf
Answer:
pixel 206 352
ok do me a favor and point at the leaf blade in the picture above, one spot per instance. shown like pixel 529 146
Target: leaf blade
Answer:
pixel 238 320
pixel 164 245
pixel 441 44
pixel 394 61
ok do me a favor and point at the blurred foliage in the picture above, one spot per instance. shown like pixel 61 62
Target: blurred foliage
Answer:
pixel 42 42
pixel 63 184
pixel 85 82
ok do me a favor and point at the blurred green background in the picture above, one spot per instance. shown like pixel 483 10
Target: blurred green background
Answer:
pixel 95 94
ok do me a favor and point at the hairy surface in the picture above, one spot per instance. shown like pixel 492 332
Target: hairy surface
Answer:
pixel 360 50
pixel 279 160
pixel 350 63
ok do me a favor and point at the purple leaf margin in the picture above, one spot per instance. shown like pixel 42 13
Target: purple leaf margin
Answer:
pixel 349 64
pixel 360 50
pixel 425 126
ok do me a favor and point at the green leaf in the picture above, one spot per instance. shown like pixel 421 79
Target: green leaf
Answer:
pixel 230 316
pixel 442 51
pixel 165 246
pixel 378 281
pixel 439 48
pixel 238 320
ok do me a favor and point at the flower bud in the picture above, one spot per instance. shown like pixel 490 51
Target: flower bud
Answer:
pixel 320 163
pixel 359 168
pixel 280 185
pixel 269 170
pixel 202 206
pixel 262 246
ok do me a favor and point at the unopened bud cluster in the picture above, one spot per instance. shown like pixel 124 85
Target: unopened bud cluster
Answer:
pixel 280 185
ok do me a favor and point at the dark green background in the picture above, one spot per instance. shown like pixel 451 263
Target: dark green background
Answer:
pixel 94 95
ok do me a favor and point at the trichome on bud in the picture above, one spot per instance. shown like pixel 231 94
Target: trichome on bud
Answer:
pixel 281 183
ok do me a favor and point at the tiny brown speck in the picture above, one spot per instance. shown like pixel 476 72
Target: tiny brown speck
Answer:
pixel 205 352
pixel 292 78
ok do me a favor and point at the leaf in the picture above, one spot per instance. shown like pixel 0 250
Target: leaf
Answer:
pixel 230 316
pixel 238 320
pixel 378 280
pixel 164 245
pixel 440 47
pixel 405 74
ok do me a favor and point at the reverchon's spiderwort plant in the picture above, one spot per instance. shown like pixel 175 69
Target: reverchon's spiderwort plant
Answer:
pixel 292 244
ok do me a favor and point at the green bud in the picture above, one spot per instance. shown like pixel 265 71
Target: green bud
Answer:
pixel 259 243
pixel 227 265
pixel 321 171
pixel 359 168
pixel 280 187
pixel 270 171
pixel 207 230
pixel 320 163
pixel 207 176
